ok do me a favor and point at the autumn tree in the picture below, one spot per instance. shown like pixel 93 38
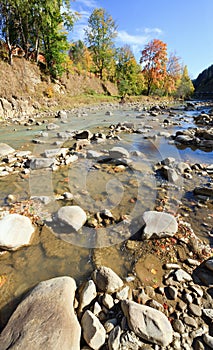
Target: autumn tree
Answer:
pixel 99 37
pixel 185 87
pixel 173 74
pixel 128 72
pixel 38 24
pixel 153 60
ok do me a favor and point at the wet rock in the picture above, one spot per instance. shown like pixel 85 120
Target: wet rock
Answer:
pixel 148 323
pixel 94 154
pixel 158 224
pixel 45 319
pixel 118 152
pixel 106 280
pixel 93 332
pixel 15 231
pixel 52 126
pixel 5 150
pixel 206 190
pixel 41 163
pixel 84 135
pixel 209 264
pixel 73 216
pixel 61 114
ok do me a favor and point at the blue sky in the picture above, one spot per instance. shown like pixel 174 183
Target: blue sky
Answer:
pixel 186 26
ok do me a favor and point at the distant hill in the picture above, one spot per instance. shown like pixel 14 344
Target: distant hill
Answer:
pixel 204 81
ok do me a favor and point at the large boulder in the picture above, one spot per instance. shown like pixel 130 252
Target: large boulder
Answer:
pixel 45 319
pixel 5 150
pixel 148 323
pixel 15 231
pixel 158 224
pixel 106 280
pixel 73 216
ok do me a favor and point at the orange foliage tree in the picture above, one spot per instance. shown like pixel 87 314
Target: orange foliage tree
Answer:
pixel 153 60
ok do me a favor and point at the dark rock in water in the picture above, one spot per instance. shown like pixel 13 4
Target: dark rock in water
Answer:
pixel 206 190
pixel 45 319
pixel 84 135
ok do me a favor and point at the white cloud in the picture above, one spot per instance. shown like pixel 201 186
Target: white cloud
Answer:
pixel 129 39
pixel 88 3
pixel 157 31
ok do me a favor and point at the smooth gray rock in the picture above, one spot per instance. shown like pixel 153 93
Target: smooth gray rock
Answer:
pixel 15 231
pixel 45 319
pixel 87 294
pixel 148 323
pixel 5 150
pixel 118 152
pixel 182 276
pixel 158 224
pixel 106 280
pixel 93 332
pixel 41 163
pixel 73 216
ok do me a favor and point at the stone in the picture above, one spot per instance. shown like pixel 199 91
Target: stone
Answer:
pixel 178 326
pixel 106 280
pixel 45 319
pixel 208 340
pixel 173 292
pixel 84 135
pixel 209 264
pixel 118 152
pixel 73 216
pixel 94 154
pixel 158 224
pixel 108 301
pixel 41 163
pixel 190 321
pixel 52 126
pixel 206 190
pixel 123 293
pixel 114 339
pixel 110 324
pixel 5 150
pixel 15 231
pixel 208 313
pixel 87 294
pixel 195 310
pixel 148 323
pixel 93 332
pixel 182 276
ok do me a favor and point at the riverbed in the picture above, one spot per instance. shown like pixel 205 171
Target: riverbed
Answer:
pixel 97 186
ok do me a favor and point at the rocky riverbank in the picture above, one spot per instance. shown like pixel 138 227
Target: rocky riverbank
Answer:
pixel 128 206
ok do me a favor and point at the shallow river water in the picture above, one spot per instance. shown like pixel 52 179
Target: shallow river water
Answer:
pixel 95 187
